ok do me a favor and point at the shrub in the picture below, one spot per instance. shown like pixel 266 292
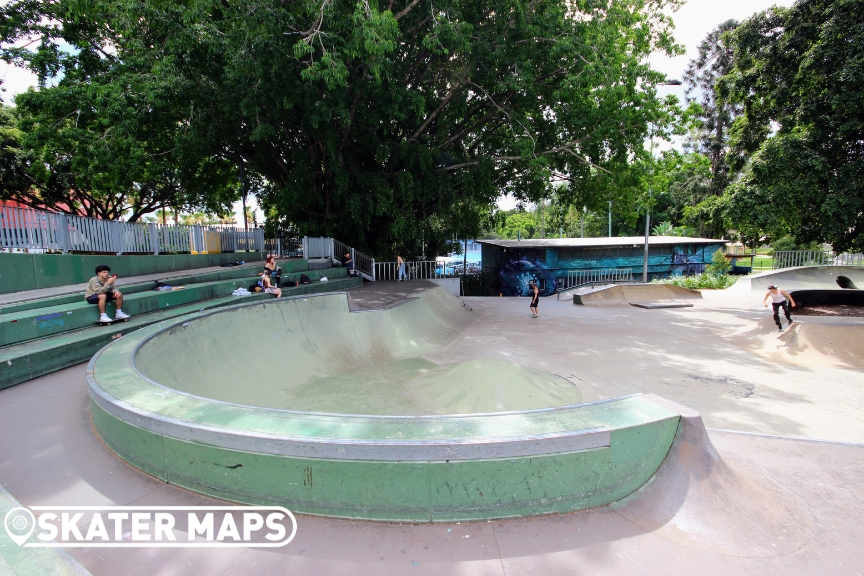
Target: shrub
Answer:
pixel 706 280
pixel 720 265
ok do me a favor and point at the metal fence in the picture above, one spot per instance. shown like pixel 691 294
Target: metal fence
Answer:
pixel 284 247
pixel 576 278
pixel 416 270
pixel 793 258
pixel 38 230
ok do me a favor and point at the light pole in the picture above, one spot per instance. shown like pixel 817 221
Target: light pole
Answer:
pixel 648 206
pixel 584 213
pixel 610 218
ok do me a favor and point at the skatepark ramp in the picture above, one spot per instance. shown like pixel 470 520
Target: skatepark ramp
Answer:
pixel 810 277
pixel 647 294
pixel 811 340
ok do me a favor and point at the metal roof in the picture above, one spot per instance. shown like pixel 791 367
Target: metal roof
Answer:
pixel 602 241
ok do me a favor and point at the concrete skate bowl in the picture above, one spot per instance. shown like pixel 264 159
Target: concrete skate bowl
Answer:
pixel 478 440
pixel 647 295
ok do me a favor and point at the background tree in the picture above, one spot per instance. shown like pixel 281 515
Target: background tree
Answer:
pixel 715 60
pixel 380 124
pixel 800 70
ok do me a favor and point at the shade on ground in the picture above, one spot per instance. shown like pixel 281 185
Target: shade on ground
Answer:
pixel 313 354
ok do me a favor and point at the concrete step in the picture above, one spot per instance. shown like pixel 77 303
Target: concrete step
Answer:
pixel 44 321
pixel 76 295
pixel 27 360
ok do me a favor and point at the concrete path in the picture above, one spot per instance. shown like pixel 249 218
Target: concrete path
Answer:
pixel 50 455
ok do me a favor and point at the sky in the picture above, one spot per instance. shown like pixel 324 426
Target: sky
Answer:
pixel 693 21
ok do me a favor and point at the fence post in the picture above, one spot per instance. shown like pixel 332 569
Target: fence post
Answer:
pixel 154 239
pixel 63 233
pixel 373 270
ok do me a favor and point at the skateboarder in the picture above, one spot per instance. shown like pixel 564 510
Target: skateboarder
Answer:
pixel 101 290
pixel 535 299
pixel 779 299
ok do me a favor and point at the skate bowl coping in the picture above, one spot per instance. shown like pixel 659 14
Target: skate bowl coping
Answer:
pixel 421 447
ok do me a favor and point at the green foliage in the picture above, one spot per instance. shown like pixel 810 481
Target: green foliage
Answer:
pixel 785 243
pixel 799 69
pixel 720 265
pixel 706 280
pixel 705 77
pixel 518 225
pixel 380 124
pixel 666 229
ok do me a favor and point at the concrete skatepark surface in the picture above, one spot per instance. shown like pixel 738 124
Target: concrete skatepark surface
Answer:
pixel 48 454
pixel 362 362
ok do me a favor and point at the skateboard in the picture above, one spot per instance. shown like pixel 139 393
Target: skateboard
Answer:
pixel 100 323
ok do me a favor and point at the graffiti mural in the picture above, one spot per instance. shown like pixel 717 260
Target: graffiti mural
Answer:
pixel 547 266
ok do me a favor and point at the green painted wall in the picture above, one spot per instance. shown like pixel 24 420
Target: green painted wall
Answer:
pixel 437 491
pixel 20 272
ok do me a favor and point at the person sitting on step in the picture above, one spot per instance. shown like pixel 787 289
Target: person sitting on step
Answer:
pixel 102 289
pixel 267 285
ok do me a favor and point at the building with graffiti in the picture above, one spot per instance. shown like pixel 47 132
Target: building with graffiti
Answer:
pixel 558 263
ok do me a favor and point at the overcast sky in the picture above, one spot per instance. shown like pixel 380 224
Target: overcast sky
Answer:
pixel 692 23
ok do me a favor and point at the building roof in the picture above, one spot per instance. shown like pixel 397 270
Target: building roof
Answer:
pixel 602 241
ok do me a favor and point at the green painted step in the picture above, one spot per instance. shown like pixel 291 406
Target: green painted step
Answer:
pixel 27 360
pixel 40 322
pixel 247 270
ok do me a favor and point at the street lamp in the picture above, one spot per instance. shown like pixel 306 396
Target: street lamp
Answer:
pixel 648 205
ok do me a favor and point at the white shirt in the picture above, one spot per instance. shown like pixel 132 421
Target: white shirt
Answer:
pixel 778 297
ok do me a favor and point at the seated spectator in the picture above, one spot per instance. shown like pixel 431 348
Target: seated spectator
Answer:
pixel 268 286
pixel 349 263
pixel 101 289
pixel 275 271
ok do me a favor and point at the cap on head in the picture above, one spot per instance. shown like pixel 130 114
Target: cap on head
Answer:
pixel 772 287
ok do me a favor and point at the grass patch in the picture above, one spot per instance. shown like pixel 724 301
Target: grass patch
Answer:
pixel 706 280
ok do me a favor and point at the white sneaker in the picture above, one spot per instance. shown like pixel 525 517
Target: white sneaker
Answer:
pixel 120 315
pixel 104 318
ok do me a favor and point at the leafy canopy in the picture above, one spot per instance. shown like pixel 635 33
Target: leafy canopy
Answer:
pixel 802 70
pixel 379 123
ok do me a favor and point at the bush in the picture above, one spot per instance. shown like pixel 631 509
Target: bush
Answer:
pixel 783 244
pixel 706 280
pixel 720 265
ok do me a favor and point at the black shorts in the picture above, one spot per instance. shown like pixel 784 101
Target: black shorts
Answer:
pixel 94 298
pixel 534 303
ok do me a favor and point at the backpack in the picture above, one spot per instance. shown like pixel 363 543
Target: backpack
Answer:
pixel 304 279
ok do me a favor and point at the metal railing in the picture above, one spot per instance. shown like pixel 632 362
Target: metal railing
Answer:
pixel 363 264
pixel 792 258
pixel 414 270
pixel 38 230
pixel 284 247
pixel 577 278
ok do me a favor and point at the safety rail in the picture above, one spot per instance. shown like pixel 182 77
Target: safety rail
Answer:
pixel 414 270
pixel 577 278
pixel 793 258
pixel 39 230
pixel 363 264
